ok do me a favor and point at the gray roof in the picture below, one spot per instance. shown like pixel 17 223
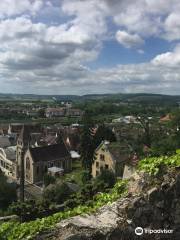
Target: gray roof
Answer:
pixel 49 153
pixel 10 153
pixel 4 142
pixel 120 151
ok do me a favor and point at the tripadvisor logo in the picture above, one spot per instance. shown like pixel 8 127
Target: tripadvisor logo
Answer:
pixel 139 231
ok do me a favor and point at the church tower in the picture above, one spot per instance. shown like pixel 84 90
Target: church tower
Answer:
pixel 23 142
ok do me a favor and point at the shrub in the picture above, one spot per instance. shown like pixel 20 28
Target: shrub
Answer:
pixel 48 179
pixel 108 177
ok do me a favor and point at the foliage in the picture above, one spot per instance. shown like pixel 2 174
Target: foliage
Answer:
pixel 28 230
pixel 85 177
pixel 103 133
pixel 30 209
pixel 87 144
pixel 164 146
pixel 108 177
pixel 48 179
pixel 57 193
pixel 153 165
pixel 7 192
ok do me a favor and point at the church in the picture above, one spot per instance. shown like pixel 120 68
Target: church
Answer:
pixel 36 160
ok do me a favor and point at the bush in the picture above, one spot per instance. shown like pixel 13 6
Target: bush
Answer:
pixel 85 177
pixel 7 192
pixel 57 193
pixel 48 179
pixel 153 165
pixel 29 230
pixel 108 177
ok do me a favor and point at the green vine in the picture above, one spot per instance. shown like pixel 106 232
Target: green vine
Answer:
pixel 28 230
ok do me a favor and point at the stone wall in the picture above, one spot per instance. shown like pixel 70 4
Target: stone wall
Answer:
pixel 152 203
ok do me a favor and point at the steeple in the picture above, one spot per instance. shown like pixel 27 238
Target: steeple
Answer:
pixel 22 146
pixel 24 136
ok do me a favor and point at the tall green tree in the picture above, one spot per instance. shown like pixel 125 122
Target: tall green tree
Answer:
pixel 7 192
pixel 87 143
pixel 103 133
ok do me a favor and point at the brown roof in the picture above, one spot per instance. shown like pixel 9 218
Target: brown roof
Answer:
pixel 49 153
pixel 167 118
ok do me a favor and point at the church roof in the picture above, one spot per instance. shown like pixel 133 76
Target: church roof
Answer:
pixel 49 153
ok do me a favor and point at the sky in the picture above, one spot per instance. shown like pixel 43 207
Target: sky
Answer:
pixel 89 46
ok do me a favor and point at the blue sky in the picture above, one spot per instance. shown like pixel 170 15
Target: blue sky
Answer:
pixel 89 46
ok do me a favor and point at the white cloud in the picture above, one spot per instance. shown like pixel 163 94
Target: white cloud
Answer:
pixel 51 57
pixel 172 26
pixel 129 40
pixel 10 8
pixel 168 59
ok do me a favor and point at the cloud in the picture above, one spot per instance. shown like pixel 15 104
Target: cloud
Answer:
pixel 129 40
pixel 9 8
pixel 45 54
pixel 168 59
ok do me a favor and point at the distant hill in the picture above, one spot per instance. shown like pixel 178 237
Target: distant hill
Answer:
pixel 137 97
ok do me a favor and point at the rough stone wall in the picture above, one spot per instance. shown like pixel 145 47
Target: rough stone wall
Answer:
pixel 152 203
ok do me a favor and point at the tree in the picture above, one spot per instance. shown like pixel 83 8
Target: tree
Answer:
pixel 103 133
pixel 41 112
pixel 7 192
pixel 57 193
pixel 87 144
pixel 85 177
pixel 107 177
pixel 145 124
pixel 48 179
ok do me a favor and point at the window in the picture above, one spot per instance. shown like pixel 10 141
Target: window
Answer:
pixel 97 173
pixel 102 157
pixel 97 164
pixel 45 168
pixel 27 163
pixel 106 166
pixel 37 170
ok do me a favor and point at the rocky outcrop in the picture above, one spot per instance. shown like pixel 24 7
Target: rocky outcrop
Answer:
pixel 152 204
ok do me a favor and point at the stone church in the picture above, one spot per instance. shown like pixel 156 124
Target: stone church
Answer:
pixel 37 160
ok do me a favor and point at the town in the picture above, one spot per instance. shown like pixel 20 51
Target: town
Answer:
pixel 89 120
pixel 40 158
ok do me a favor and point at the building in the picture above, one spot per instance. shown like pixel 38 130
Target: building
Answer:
pixel 55 112
pixel 34 160
pixel 111 156
pixel 74 112
pixel 39 159
pixel 63 111
pixel 8 161
pixel 5 141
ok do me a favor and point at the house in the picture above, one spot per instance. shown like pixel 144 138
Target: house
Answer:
pixel 55 112
pixel 8 161
pixel 74 112
pixel 166 118
pixel 125 119
pixel 111 156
